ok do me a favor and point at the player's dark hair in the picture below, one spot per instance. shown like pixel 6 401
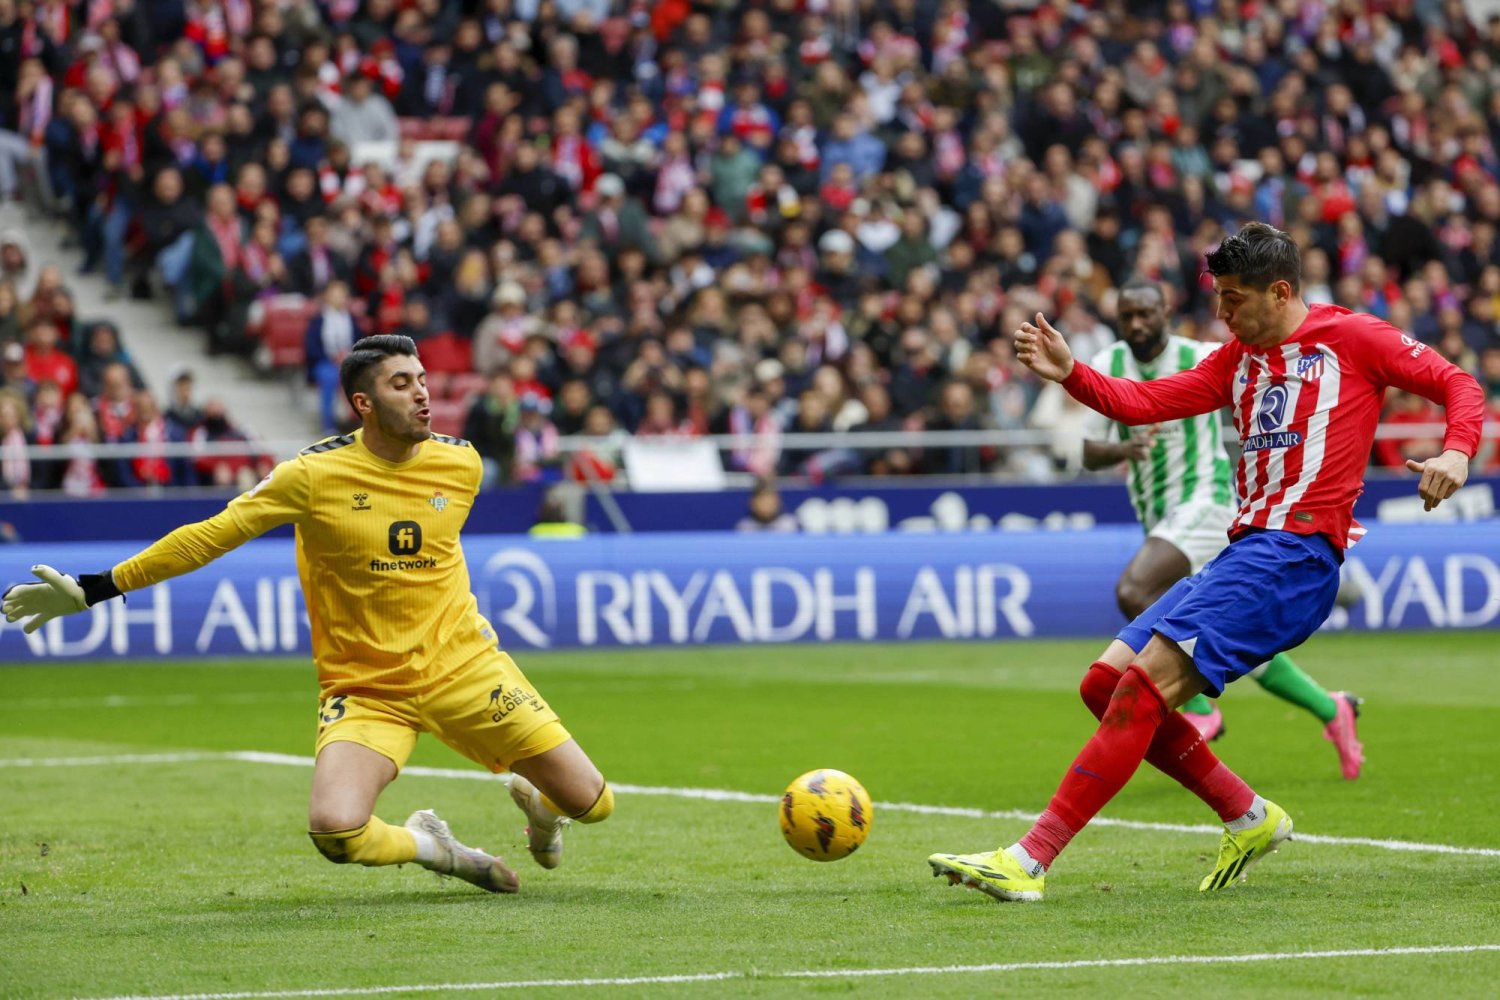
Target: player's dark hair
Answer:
pixel 1258 255
pixel 356 372
pixel 1139 284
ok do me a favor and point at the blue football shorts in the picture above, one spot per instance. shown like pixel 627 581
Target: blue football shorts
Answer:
pixel 1266 593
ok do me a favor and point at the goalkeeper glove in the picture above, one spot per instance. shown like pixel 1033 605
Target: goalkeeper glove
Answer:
pixel 58 594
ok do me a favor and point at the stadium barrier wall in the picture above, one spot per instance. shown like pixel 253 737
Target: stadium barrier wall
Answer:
pixel 682 589
pixel 835 509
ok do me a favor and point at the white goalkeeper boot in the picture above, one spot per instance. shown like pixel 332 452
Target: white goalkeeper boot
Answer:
pixel 544 830
pixel 468 863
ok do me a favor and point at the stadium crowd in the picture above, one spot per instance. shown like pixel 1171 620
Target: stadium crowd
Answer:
pixel 609 217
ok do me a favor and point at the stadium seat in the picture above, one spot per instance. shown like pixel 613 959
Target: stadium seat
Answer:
pixel 448 417
pixel 387 319
pixel 262 312
pixel 285 338
pixel 466 385
pixel 446 352
pixel 437 384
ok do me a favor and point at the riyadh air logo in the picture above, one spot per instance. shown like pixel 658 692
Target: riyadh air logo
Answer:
pixel 518 593
pixel 1272 409
pixel 1270 418
pixel 1310 367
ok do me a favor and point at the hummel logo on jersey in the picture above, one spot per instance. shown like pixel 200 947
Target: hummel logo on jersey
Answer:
pixel 361 502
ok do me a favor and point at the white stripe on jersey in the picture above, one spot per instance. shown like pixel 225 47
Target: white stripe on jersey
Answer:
pixel 1315 444
pixel 1274 464
pixel 1249 460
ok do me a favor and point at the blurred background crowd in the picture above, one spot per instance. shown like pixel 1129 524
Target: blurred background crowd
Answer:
pixel 613 217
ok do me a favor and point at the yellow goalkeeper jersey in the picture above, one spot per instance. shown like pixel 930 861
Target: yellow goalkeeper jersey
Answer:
pixel 378 552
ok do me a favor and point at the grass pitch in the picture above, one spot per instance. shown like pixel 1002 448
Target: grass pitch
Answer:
pixel 192 874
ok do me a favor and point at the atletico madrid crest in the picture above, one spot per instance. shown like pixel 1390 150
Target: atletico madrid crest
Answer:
pixel 438 501
pixel 1310 367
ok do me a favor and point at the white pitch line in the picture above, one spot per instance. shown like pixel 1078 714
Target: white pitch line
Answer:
pixel 914 970
pixel 729 795
pixel 155 701
pixel 188 757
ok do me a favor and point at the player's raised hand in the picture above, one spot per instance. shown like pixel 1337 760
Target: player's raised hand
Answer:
pixel 58 594
pixel 1042 349
pixel 1441 476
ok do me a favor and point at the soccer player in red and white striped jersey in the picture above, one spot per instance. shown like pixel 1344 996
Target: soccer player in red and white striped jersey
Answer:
pixel 1306 385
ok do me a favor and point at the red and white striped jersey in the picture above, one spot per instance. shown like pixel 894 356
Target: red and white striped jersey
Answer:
pixel 1306 411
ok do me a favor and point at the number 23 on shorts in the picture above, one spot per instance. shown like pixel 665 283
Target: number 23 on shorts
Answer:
pixel 332 709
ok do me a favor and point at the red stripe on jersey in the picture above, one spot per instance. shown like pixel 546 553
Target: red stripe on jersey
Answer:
pixel 1248 373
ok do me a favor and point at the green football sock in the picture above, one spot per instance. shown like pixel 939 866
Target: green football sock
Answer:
pixel 1285 680
pixel 1198 704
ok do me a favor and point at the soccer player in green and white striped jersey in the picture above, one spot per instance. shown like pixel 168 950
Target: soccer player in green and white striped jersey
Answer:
pixel 1179 483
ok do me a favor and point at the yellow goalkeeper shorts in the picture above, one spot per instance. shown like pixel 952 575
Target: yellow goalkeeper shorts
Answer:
pixel 486 710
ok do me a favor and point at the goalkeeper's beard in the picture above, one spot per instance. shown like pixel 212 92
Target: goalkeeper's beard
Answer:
pixel 400 425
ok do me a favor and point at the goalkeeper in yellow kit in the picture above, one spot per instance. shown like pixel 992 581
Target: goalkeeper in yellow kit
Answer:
pixel 399 642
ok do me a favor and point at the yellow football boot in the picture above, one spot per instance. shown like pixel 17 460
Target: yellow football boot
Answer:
pixel 1237 851
pixel 994 873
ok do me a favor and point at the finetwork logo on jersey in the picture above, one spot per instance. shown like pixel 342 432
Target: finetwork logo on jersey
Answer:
pixel 1270 418
pixel 404 539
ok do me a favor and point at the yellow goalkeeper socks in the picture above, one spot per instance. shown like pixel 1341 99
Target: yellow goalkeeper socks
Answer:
pixel 599 811
pixel 374 844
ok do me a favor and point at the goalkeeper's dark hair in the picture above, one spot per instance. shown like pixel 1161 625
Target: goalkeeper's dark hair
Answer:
pixel 357 371
pixel 1258 255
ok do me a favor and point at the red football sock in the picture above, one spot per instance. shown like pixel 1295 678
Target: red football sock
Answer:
pixel 1107 761
pixel 1178 751
pixel 1225 792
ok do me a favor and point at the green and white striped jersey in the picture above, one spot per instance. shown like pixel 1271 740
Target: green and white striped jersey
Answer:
pixel 1188 463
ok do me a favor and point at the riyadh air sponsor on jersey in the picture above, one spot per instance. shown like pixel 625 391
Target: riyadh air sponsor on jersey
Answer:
pixel 1269 419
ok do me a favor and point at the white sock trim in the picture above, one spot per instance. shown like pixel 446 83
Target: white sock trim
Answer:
pixel 1255 817
pixel 1033 867
pixel 426 846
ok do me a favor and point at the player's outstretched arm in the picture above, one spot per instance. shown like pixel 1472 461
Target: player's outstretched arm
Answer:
pixel 58 594
pixel 1441 477
pixel 1202 389
pixel 279 498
